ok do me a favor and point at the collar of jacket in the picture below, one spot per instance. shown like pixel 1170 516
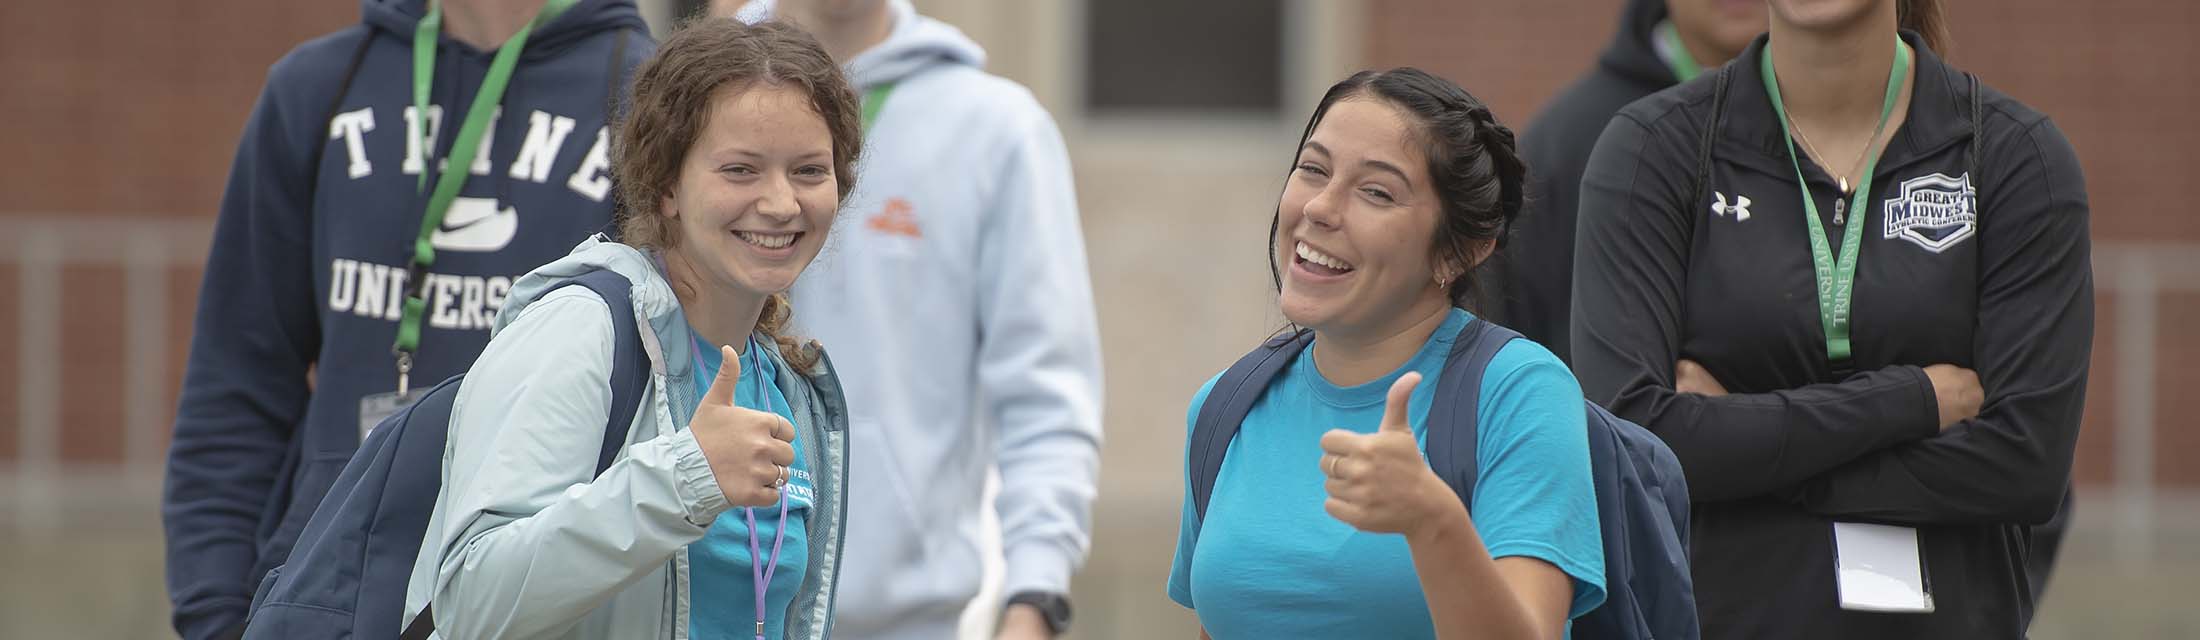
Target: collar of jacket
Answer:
pixel 1938 115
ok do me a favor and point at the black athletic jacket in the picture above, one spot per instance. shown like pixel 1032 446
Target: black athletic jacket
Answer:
pixel 1672 263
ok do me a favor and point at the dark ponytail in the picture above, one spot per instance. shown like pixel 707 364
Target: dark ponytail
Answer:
pixel 1473 161
pixel 1925 17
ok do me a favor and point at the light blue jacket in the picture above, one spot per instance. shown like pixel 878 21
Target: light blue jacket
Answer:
pixel 525 544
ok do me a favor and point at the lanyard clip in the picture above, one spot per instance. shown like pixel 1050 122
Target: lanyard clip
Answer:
pixel 416 280
pixel 404 371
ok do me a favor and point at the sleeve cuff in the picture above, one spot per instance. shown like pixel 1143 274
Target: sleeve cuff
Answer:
pixel 1587 578
pixel 1181 595
pixel 1037 567
pixel 697 486
pixel 1929 423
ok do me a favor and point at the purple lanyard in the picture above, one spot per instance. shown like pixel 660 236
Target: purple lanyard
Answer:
pixel 761 572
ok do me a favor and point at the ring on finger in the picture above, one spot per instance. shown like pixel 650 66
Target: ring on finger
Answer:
pixel 780 481
pixel 1329 465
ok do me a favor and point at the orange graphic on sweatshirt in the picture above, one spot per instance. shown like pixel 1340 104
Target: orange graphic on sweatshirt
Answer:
pixel 898 218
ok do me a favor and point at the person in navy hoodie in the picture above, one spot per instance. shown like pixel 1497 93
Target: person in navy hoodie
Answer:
pixel 394 178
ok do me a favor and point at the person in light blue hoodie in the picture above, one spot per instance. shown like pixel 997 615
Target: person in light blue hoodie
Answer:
pixel 722 517
pixel 961 280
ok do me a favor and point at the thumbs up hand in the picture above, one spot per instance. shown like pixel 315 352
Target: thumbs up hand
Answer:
pixel 1379 482
pixel 749 451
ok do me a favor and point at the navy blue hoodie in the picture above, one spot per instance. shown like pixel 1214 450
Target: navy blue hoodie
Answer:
pixel 1531 282
pixel 301 296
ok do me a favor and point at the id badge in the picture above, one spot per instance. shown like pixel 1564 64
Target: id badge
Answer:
pixel 1880 568
pixel 375 408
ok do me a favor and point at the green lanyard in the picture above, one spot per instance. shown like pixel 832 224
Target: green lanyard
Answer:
pixel 874 100
pixel 1675 53
pixel 1837 277
pixel 460 160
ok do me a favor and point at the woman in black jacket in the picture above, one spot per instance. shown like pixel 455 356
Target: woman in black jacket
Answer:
pixel 1791 274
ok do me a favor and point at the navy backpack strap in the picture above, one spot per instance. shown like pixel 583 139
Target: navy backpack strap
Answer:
pixel 629 363
pixel 422 625
pixel 629 381
pixel 1233 397
pixel 1977 151
pixel 1452 423
pixel 1710 139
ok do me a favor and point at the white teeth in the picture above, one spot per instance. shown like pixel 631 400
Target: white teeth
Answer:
pixel 766 240
pixel 1308 253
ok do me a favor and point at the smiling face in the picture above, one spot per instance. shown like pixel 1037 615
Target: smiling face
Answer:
pixel 1355 235
pixel 756 192
pixel 1726 26
pixel 1827 15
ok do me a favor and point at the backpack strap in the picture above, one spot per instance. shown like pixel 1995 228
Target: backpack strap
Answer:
pixel 1978 133
pixel 615 85
pixel 1228 403
pixel 1709 140
pixel 422 625
pixel 1452 422
pixel 629 363
pixel 614 80
pixel 1970 164
pixel 629 382
pixel 1710 137
pixel 335 105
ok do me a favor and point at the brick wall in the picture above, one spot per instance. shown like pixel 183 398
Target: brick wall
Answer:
pixel 116 116
pixel 137 111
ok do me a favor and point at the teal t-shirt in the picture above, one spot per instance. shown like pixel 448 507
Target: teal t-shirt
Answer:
pixel 721 585
pixel 1269 562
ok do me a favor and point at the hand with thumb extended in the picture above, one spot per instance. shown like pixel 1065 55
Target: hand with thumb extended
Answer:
pixel 1394 404
pixel 749 451
pixel 1379 482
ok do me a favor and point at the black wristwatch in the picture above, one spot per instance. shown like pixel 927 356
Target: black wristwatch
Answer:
pixel 1053 607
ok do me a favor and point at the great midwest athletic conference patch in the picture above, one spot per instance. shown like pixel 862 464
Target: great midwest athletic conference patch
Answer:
pixel 1935 212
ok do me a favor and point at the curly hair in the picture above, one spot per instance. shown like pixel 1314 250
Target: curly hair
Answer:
pixel 671 105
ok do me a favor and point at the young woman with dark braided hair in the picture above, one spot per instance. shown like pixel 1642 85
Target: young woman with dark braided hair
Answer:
pixel 1324 520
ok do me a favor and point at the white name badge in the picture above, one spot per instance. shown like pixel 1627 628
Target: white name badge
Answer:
pixel 1880 568
pixel 375 408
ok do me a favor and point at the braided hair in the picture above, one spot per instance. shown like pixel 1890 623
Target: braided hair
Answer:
pixel 1473 160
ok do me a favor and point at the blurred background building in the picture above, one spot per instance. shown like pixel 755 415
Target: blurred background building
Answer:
pixel 119 121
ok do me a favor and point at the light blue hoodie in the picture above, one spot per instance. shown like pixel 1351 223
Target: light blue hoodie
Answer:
pixel 525 544
pixel 957 295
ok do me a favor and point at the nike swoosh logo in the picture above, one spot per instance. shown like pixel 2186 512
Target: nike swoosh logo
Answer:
pixel 476 224
pixel 458 217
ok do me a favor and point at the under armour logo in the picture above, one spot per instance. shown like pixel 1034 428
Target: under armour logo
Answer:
pixel 1740 208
